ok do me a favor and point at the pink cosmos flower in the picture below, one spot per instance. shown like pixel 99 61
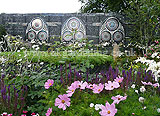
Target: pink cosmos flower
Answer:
pixel 48 83
pixel 118 98
pixel 156 41
pixel 21 115
pixel 25 112
pixel 33 113
pixel 72 88
pixel 62 101
pixel 155 85
pixel 145 83
pixel 111 85
pixel 82 85
pixel 98 88
pixel 118 79
pixel 108 110
pixel 49 111
pixel 11 115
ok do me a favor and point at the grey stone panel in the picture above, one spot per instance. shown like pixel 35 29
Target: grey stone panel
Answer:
pixel 92 19
pixel 54 18
pixel 92 30
pixel 10 29
pixel 55 31
pixel 19 30
pixel 8 18
pixel 19 18
pixel 30 17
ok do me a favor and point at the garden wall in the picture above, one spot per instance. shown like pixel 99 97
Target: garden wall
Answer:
pixel 16 24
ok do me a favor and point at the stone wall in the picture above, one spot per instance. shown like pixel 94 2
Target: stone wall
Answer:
pixel 16 24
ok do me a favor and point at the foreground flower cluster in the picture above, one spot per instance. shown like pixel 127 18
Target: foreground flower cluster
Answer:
pixel 63 101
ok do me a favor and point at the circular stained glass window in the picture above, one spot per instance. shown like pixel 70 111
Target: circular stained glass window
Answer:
pixel 73 24
pixel 37 24
pixel 31 35
pixel 118 36
pixel 105 36
pixel 42 35
pixel 67 36
pixel 79 35
pixel 112 24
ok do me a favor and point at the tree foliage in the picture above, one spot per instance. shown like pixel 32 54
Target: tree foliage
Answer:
pixel 103 6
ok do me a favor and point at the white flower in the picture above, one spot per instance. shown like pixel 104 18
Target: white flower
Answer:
pixel 18 50
pixel 34 46
pixel 144 108
pixel 141 59
pixel 154 54
pixel 25 56
pixel 91 105
pixel 98 106
pixel 133 86
pixel 29 65
pixel 142 89
pixel 37 48
pixel 2 60
pixel 158 110
pixel 19 60
pixel 41 63
pixel 19 54
pixel 141 99
pixel 32 41
pixel 136 91
pixel 22 48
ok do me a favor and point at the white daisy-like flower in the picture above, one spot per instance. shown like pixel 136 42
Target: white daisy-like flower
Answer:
pixel 98 106
pixel 133 86
pixel 37 48
pixel 142 89
pixel 41 63
pixel 91 105
pixel 22 48
pixel 141 99
pixel 29 65
pixel 19 60
pixel 158 110
pixel 136 91
pixel 18 50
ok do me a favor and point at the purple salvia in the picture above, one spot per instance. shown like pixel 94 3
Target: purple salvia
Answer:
pixel 70 70
pixel 2 75
pixel 61 68
pixel 74 74
pixel 87 77
pixel 69 78
pixel 138 79
pixel 8 98
pixel 15 103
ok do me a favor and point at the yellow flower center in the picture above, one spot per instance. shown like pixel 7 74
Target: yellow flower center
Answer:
pixel 119 81
pixel 99 89
pixel 72 90
pixel 63 101
pixel 119 98
pixel 111 86
pixel 50 84
pixel 109 112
